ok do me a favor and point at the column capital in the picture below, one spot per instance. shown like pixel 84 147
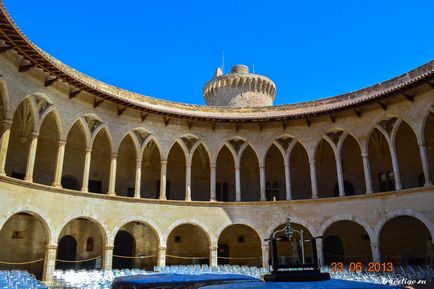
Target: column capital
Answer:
pixel 421 143
pixel 365 155
pixel 7 123
pixel 212 165
pixel 51 246
pixel 138 162
pixel 261 167
pixel 312 162
pixel 61 142
pixel 213 248
pixel 108 247
pixel 163 162
pixel 188 164
pixel 114 155
pixel 34 134
pixel 237 166
pixel 162 247
pixel 88 150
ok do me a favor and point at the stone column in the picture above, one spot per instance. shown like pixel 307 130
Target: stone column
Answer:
pixel 425 164
pixel 237 183
pixel 320 251
pixel 262 182
pixel 340 176
pixel 161 256
pixel 213 256
pixel 49 263
pixel 367 172
pixel 395 165
pixel 163 180
pixel 112 178
pixel 4 143
pixel 212 183
pixel 313 181
pixel 59 164
pixel 265 256
pixel 107 259
pixel 31 158
pixel 375 247
pixel 188 181
pixel 86 170
pixel 138 180
pixel 288 180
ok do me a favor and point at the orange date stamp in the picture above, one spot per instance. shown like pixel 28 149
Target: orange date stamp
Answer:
pixel 373 267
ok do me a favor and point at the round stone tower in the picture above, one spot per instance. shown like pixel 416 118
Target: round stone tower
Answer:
pixel 239 88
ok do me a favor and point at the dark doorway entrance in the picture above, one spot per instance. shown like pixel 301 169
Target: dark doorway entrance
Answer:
pixel 223 251
pixel 67 251
pixel 333 250
pixel 124 246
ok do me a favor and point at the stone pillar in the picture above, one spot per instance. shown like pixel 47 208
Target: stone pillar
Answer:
pixel 213 197
pixel 313 181
pixel 107 259
pixel 237 183
pixel 163 180
pixel 265 256
pixel 320 251
pixel 31 158
pixel 138 180
pixel 395 165
pixel 425 164
pixel 262 182
pixel 188 181
pixel 112 178
pixel 367 172
pixel 59 164
pixel 49 263
pixel 288 180
pixel 161 256
pixel 375 247
pixel 213 256
pixel 4 143
pixel 340 176
pixel 86 170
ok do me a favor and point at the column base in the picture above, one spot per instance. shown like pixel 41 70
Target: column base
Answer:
pixel 111 194
pixel 58 186
pixel 163 199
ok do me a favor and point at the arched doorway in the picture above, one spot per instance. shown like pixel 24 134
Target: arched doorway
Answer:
pixel 346 241
pixel 200 175
pixel 187 244
pixel 249 175
pixel 89 244
pixel 239 245
pixel 275 175
pixel 290 251
pixel 406 240
pixel 23 238
pixel 66 251
pixel 176 173
pixel 125 247
pixel 300 173
pixel 225 170
pixel 325 169
pixel 138 241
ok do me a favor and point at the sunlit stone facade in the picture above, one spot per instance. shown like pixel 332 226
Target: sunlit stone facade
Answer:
pixel 91 171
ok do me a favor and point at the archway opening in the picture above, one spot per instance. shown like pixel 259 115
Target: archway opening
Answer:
pixel 381 163
pixel 87 256
pixel 73 164
pixel 300 173
pixel 136 246
pixel 151 170
pixel 325 169
pixel 406 240
pixel 407 151
pixel 249 175
pixel 66 251
pixel 46 152
pixel 20 139
pixel 200 175
pixel 239 245
pixel 126 168
pixel 429 140
pixel 290 251
pixel 100 163
pixel 225 170
pixel 23 238
pixel 176 173
pixel 352 167
pixel 275 175
pixel 187 244
pixel 346 241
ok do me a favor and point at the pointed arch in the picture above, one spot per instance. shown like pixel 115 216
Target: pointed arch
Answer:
pixel 275 173
pixel 249 174
pixel 225 174
pixel 380 161
pixel 99 172
pixel 200 173
pixel 352 166
pixel 151 156
pixel 176 171
pixel 300 172
pixel 325 162
pixel 126 166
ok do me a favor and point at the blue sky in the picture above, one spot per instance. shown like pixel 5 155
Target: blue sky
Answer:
pixel 169 49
